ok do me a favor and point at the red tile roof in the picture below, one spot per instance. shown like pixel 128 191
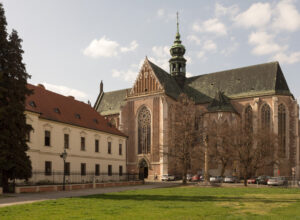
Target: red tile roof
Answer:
pixel 45 103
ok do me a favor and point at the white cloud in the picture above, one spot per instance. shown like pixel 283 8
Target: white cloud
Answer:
pixel 258 15
pixel 194 38
pixel 188 59
pixel 105 47
pixel 201 55
pixel 66 91
pixel 188 74
pixel 161 51
pixel 230 49
pixel 165 16
pixel 127 75
pixel 209 45
pixel 221 10
pixel 288 59
pixel 286 16
pixel 264 43
pixel 133 45
pixel 211 26
pixel 160 12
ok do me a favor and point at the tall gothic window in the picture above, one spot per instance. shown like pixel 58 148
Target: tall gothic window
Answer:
pixel 282 128
pixel 144 131
pixel 265 116
pixel 248 119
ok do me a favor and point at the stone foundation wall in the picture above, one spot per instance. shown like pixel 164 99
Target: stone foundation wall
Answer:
pixel 54 188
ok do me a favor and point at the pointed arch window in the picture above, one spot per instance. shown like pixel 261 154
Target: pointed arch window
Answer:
pixel 144 131
pixel 282 128
pixel 249 119
pixel 265 116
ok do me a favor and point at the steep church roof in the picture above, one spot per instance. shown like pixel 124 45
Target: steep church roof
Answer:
pixel 166 80
pixel 250 81
pixel 109 103
pixel 220 104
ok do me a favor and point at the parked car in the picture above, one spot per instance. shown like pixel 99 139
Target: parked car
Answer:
pixel 167 177
pixel 196 178
pixel 216 179
pixel 251 180
pixel 189 177
pixel 262 180
pixel 231 179
pixel 277 181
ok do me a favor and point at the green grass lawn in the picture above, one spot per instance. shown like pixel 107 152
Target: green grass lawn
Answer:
pixel 167 203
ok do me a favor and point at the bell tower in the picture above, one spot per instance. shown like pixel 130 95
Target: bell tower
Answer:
pixel 177 61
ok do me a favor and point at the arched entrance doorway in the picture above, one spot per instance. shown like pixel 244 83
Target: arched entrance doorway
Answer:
pixel 143 169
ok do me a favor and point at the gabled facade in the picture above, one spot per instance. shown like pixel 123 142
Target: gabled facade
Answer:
pixel 257 94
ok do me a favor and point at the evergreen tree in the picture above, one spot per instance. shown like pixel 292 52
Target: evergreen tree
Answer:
pixel 14 163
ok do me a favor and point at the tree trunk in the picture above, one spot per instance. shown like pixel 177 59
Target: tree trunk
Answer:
pixel 245 179
pixel 4 182
pixel 223 169
pixel 184 173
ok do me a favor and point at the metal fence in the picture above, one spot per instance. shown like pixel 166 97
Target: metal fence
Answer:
pixel 42 178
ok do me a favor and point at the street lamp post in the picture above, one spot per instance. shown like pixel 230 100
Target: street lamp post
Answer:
pixel 64 157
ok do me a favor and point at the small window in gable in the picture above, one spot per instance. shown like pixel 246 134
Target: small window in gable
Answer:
pixel 96 121
pixel 77 116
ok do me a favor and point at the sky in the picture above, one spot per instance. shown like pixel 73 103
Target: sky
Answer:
pixel 71 45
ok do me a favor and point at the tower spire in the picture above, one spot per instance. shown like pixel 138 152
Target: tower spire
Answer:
pixel 177 61
pixel 177 23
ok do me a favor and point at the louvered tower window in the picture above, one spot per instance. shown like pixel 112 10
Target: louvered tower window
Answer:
pixel 282 129
pixel 144 131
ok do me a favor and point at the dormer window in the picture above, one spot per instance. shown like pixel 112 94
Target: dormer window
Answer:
pixel 56 110
pixel 32 104
pixel 96 121
pixel 77 116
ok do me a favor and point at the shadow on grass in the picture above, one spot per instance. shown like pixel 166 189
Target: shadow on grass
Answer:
pixel 142 197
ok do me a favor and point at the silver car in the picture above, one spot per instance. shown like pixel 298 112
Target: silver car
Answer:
pixel 277 181
pixel 167 177
pixel 216 179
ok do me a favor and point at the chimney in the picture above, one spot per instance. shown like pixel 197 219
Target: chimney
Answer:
pixel 101 87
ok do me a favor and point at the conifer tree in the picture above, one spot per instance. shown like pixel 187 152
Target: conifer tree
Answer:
pixel 14 163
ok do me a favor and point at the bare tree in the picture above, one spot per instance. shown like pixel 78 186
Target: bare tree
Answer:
pixel 183 135
pixel 219 144
pixel 254 150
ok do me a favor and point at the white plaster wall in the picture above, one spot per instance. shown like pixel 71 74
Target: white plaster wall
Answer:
pixel 39 153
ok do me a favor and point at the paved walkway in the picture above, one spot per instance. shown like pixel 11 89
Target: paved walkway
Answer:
pixel 23 198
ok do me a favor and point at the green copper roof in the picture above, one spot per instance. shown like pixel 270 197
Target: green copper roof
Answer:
pixel 257 80
pixel 111 102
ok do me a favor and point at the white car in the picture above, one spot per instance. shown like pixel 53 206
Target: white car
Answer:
pixel 277 181
pixel 167 177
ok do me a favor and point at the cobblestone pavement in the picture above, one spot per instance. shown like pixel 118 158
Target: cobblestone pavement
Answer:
pixel 23 198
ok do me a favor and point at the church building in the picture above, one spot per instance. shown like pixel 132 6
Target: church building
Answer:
pixel 257 94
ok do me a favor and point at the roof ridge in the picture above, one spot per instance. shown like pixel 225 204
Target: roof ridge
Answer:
pixel 239 68
pixel 55 93
pixel 117 90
